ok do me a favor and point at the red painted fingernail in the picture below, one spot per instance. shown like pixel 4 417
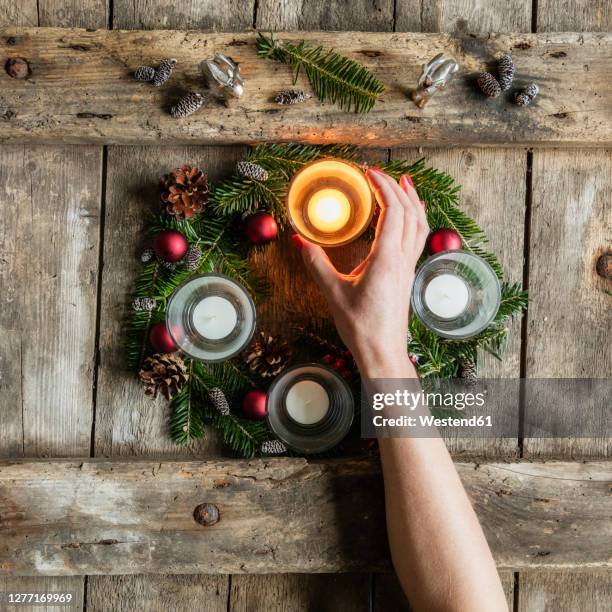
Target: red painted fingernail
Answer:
pixel 376 170
pixel 406 180
pixel 423 203
pixel 298 243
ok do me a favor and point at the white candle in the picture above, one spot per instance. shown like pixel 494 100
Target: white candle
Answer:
pixel 447 296
pixel 214 317
pixel 329 210
pixel 307 402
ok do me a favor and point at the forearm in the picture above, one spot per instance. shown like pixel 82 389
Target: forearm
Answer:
pixel 439 551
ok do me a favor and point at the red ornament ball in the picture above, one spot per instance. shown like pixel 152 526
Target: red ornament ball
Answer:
pixel 170 245
pixel 260 228
pixel 444 240
pixel 254 405
pixel 161 340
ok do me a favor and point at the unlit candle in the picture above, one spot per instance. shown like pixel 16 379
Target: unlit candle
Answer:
pixel 307 402
pixel 214 317
pixel 447 296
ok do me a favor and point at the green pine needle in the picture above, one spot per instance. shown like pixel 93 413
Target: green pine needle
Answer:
pixel 333 77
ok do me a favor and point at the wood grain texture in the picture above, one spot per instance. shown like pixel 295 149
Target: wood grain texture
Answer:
pixel 48 272
pixel 565 592
pixel 102 103
pixel 113 517
pixel 186 14
pixel 570 313
pixel 579 15
pixel 463 16
pixel 128 423
pixel 198 593
pixel 42 584
pixel 299 593
pixel 367 15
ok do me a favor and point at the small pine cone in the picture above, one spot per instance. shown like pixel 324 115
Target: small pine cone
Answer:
pixel 532 90
pixel 162 74
pixel 165 373
pixel 143 303
pixel 192 258
pixel 251 171
pixel 273 447
pixel 268 355
pixel 147 255
pixel 489 85
pixel 184 191
pixel 526 96
pixel 468 373
pixel 144 73
pixel 219 401
pixel 187 105
pixel 167 265
pixel 291 96
pixel 505 68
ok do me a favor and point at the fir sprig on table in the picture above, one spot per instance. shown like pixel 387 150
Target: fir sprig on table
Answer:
pixel 332 76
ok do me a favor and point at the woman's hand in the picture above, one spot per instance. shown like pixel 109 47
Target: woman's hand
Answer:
pixel 370 305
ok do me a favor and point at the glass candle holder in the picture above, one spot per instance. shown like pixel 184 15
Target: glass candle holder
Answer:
pixel 329 202
pixel 211 317
pixel 456 294
pixel 310 408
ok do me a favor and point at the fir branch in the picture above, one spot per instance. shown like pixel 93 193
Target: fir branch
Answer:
pixel 244 436
pixel 186 423
pixel 333 77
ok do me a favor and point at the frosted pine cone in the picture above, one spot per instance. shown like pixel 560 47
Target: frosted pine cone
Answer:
pixel 162 74
pixel 147 255
pixel 144 73
pixel 273 447
pixel 532 90
pixel 192 258
pixel 505 68
pixel 468 373
pixel 143 303
pixel 527 95
pixel 291 96
pixel 219 401
pixel 489 85
pixel 187 105
pixel 167 265
pixel 251 171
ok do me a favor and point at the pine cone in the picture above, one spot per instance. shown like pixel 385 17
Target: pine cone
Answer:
pixel 489 85
pixel 526 96
pixel 272 447
pixel 147 255
pixel 187 105
pixel 268 355
pixel 144 73
pixel 291 96
pixel 192 257
pixel 251 171
pixel 505 68
pixel 143 303
pixel 184 191
pixel 219 401
pixel 162 74
pixel 532 90
pixel 165 373
pixel 468 373
pixel 167 265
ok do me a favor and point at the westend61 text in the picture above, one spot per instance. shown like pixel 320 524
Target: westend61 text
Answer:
pixel 431 421
pixel 410 400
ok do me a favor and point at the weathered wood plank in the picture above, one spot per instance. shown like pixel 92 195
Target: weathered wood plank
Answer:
pixel 99 102
pixel 579 15
pixel 49 236
pixel 570 313
pixel 198 593
pixel 284 515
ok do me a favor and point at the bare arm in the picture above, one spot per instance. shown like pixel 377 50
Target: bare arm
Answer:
pixel 439 550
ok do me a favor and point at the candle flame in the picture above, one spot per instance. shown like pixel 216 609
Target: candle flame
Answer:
pixel 329 210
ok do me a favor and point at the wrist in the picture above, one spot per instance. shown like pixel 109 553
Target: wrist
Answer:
pixel 373 363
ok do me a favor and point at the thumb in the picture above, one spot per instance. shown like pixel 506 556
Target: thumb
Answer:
pixel 320 267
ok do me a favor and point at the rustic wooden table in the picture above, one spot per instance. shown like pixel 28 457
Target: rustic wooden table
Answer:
pixel 71 213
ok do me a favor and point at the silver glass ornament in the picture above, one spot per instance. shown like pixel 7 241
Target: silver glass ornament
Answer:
pixel 435 76
pixel 225 73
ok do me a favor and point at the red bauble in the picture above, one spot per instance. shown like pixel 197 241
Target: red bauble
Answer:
pixel 161 340
pixel 260 228
pixel 170 245
pixel 254 405
pixel 444 240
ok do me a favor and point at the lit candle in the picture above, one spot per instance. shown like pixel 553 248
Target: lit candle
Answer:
pixel 307 402
pixel 329 210
pixel 214 317
pixel 329 202
pixel 447 296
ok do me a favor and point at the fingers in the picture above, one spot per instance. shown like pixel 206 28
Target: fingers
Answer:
pixel 421 215
pixel 318 264
pixel 391 222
